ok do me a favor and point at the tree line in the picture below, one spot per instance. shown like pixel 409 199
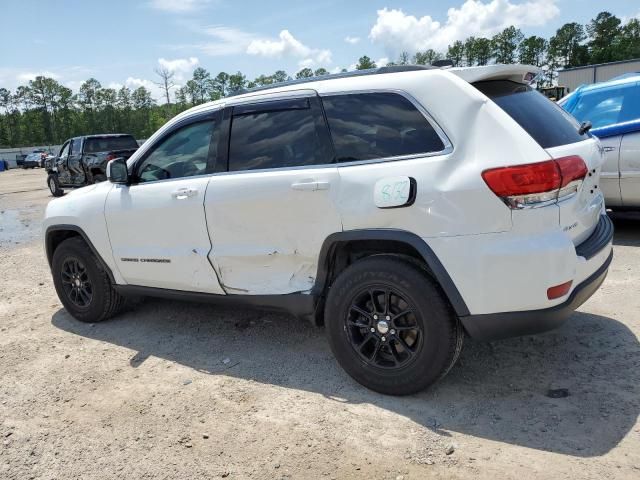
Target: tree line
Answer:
pixel 45 112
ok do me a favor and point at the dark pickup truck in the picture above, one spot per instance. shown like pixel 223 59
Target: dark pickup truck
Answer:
pixel 83 160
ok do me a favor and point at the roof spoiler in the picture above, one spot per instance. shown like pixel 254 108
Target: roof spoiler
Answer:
pixel 525 74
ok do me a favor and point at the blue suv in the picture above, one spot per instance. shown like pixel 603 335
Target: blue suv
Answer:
pixel 613 108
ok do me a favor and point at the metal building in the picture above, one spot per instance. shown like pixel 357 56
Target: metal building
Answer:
pixel 572 78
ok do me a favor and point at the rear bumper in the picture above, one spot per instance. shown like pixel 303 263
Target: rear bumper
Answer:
pixel 496 326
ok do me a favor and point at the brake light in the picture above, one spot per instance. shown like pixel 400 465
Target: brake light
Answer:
pixel 536 184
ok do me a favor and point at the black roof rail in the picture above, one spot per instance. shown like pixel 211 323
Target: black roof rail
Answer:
pixel 354 73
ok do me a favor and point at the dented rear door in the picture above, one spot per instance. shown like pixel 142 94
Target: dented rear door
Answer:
pixel 270 212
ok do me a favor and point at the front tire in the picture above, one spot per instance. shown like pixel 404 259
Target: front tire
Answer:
pixel 54 185
pixel 390 326
pixel 82 284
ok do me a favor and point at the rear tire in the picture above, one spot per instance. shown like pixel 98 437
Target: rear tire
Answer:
pixel 390 326
pixel 54 185
pixel 82 284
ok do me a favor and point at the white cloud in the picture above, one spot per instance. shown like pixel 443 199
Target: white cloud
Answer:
pixel 178 6
pixel 134 83
pixel 26 76
pixel 382 62
pixel 306 63
pixel 351 40
pixel 183 65
pixel 179 67
pixel 289 46
pixel 157 92
pixel 397 31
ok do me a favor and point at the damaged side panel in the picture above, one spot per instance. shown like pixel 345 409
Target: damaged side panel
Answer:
pixel 266 234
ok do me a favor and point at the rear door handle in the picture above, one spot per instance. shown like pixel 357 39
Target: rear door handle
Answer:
pixel 183 193
pixel 609 149
pixel 310 185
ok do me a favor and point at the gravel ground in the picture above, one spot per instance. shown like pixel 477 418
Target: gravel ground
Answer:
pixel 180 391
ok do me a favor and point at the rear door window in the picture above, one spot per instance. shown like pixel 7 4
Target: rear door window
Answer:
pixel 367 126
pixel 541 118
pixel 277 134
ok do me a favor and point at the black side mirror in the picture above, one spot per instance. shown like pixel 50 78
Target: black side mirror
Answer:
pixel 117 171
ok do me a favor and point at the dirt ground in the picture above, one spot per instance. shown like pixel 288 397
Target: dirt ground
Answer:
pixel 179 391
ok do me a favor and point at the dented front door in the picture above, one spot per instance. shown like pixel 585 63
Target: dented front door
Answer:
pixel 267 227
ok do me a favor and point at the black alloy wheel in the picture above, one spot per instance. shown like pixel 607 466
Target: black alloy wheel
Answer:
pixel 76 282
pixel 390 326
pixel 382 328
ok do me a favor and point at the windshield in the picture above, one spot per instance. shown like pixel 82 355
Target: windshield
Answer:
pixel 108 144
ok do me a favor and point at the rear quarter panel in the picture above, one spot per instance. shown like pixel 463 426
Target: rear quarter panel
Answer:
pixel 452 198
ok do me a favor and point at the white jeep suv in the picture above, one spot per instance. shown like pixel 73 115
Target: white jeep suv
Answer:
pixel 401 207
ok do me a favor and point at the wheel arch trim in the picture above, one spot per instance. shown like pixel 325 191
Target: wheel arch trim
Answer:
pixel 48 242
pixel 401 236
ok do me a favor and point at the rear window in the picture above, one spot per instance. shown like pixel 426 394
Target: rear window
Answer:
pixel 366 126
pixel 108 144
pixel 541 118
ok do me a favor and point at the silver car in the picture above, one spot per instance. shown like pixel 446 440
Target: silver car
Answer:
pixel 613 108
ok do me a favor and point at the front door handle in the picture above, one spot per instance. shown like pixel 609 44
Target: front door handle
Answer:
pixel 310 185
pixel 183 193
pixel 609 149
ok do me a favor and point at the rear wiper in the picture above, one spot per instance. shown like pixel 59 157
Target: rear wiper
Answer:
pixel 584 127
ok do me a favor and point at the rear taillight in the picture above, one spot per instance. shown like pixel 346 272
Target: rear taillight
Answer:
pixel 536 184
pixel 573 170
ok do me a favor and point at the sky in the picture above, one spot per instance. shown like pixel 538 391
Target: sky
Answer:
pixel 121 42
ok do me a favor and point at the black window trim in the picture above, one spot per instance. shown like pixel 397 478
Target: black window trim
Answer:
pixel 199 117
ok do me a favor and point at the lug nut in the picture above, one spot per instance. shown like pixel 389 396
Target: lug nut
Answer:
pixel 373 329
pixel 384 339
pixel 387 317
pixel 392 332
pixel 375 317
